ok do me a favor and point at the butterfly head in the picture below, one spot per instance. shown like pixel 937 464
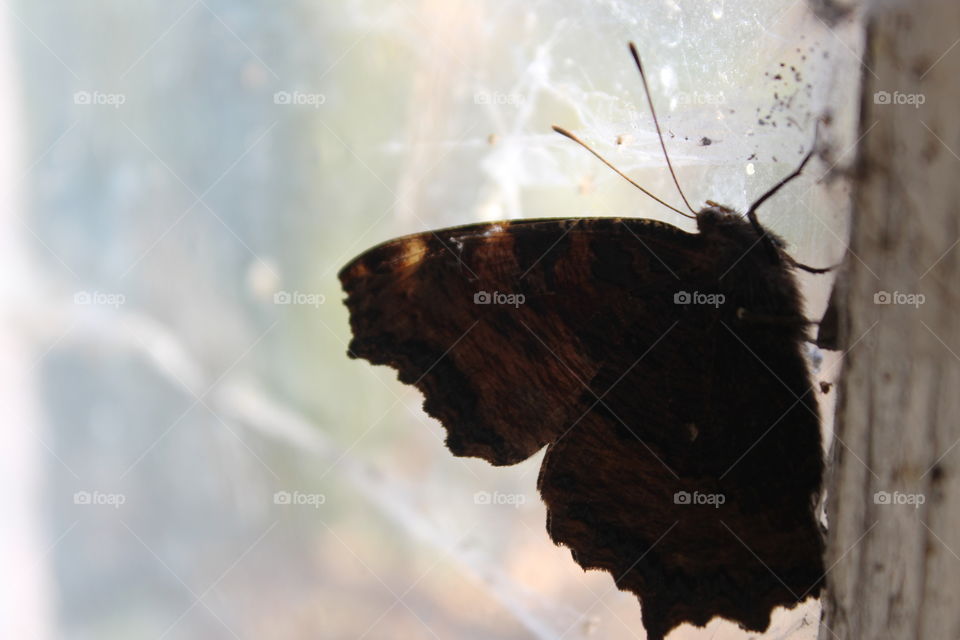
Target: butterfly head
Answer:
pixel 717 218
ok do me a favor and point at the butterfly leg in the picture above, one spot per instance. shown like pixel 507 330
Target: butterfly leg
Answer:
pixel 755 222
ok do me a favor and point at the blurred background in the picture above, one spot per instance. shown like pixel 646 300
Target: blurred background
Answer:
pixel 186 450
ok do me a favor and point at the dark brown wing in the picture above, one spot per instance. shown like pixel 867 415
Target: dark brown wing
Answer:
pixel 694 489
pixel 509 376
pixel 656 400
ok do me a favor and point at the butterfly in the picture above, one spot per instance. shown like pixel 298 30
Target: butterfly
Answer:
pixel 663 371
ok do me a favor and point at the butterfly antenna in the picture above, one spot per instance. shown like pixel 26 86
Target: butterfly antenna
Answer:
pixel 656 123
pixel 752 211
pixel 583 144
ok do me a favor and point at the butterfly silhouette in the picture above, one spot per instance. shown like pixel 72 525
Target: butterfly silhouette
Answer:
pixel 662 370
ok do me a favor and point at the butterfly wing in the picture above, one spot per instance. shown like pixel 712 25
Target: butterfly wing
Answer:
pixel 589 336
pixel 697 493
pixel 503 326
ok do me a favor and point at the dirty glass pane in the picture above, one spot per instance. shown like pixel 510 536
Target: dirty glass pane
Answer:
pixel 187 451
